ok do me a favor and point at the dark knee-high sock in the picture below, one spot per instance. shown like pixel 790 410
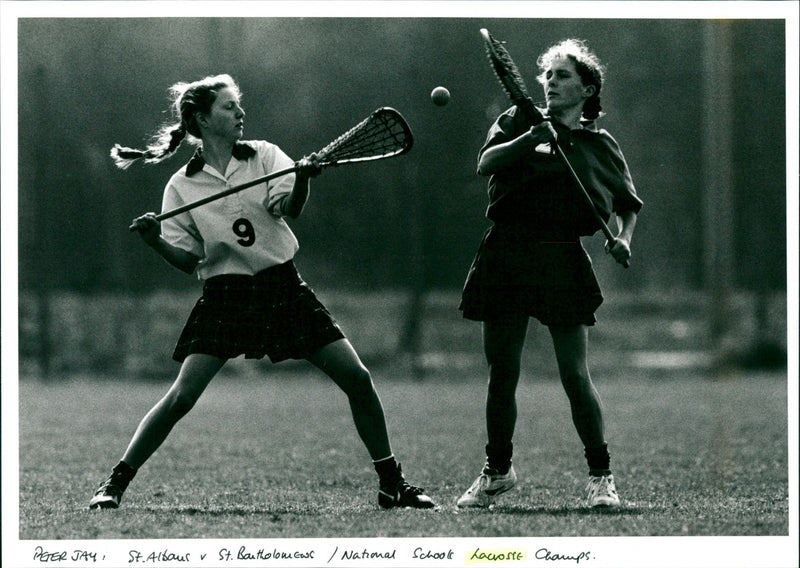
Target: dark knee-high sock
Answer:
pixel 498 457
pixel 598 459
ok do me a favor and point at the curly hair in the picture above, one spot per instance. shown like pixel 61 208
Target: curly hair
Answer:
pixel 187 100
pixel 587 64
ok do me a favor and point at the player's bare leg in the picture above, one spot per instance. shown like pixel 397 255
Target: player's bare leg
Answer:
pixel 341 363
pixel 195 374
pixel 571 346
pixel 503 340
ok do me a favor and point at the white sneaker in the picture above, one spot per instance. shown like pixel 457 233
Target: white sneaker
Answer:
pixel 487 487
pixel 601 492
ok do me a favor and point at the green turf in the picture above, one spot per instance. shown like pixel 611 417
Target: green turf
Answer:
pixel 279 457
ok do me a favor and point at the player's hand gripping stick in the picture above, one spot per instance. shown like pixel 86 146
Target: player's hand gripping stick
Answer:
pixel 511 80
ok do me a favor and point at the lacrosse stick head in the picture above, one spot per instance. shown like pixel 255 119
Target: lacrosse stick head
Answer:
pixel 383 134
pixel 510 78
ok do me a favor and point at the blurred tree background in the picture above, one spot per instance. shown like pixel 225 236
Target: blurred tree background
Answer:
pixel 413 222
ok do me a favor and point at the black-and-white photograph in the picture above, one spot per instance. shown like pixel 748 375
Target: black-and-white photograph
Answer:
pixel 399 284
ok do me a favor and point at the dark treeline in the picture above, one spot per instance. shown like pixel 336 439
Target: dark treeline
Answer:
pixel 85 84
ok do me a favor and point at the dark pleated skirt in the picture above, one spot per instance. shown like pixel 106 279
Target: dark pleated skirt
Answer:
pixel 273 313
pixel 517 271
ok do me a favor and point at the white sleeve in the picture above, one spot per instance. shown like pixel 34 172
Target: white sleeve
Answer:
pixel 180 230
pixel 274 159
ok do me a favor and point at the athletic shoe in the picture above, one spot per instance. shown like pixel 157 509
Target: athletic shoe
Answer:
pixel 403 494
pixel 601 491
pixel 489 485
pixel 107 496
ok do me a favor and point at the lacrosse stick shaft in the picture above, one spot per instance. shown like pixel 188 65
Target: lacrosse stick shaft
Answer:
pixel 382 134
pixel 603 225
pixel 223 193
pixel 599 218
pixel 513 84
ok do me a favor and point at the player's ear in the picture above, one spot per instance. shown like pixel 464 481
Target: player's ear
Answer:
pixel 589 90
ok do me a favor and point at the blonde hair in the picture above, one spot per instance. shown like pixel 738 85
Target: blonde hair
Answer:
pixel 587 64
pixel 187 100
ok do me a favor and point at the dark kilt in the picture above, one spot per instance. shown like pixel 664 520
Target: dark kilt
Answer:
pixel 516 271
pixel 274 313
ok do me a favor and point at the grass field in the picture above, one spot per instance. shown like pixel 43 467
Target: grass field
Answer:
pixel 277 456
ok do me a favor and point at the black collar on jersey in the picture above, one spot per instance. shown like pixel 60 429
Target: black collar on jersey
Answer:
pixel 241 151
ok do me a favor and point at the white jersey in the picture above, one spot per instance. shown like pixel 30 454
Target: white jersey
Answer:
pixel 242 233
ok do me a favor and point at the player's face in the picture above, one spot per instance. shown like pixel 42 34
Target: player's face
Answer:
pixel 563 88
pixel 226 118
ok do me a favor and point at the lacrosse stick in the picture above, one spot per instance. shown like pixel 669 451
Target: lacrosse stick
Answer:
pixel 513 84
pixel 383 134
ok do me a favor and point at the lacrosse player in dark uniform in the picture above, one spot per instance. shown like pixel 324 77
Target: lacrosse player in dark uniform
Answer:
pixel 531 262
pixel 254 302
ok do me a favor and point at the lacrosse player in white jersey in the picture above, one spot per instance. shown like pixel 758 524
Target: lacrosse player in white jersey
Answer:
pixel 254 302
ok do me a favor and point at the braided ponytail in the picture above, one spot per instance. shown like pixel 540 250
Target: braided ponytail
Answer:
pixel 166 143
pixel 123 157
pixel 187 100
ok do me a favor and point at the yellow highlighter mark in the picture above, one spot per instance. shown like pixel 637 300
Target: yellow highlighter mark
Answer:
pixel 479 556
